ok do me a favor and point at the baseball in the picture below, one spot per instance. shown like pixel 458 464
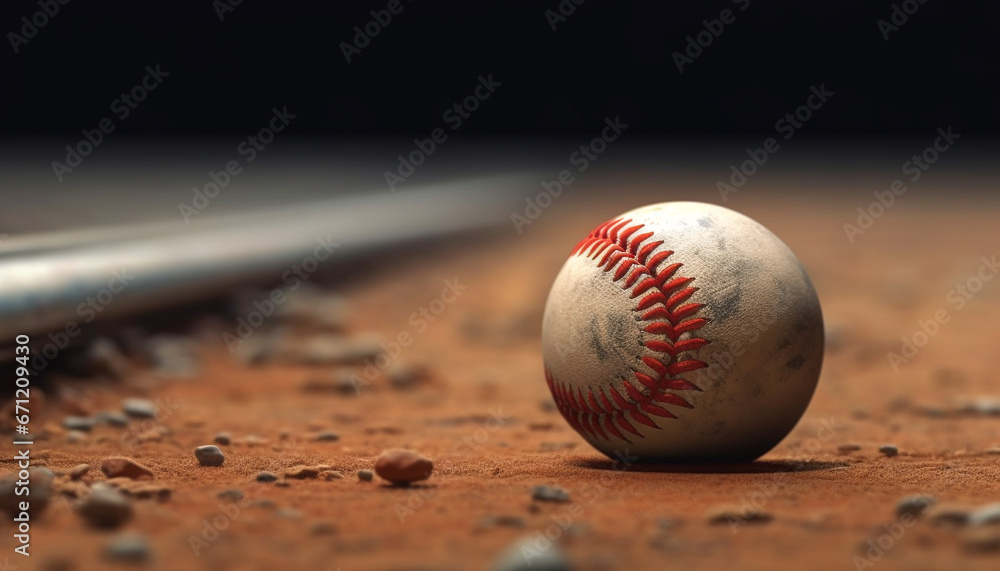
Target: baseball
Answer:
pixel 682 331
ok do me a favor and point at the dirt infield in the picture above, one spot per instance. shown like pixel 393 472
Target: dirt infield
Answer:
pixel 465 315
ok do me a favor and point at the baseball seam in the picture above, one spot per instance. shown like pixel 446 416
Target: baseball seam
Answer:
pixel 662 311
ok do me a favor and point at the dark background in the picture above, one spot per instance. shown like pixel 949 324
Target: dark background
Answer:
pixel 608 58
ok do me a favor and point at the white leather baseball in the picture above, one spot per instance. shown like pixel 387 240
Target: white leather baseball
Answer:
pixel 682 331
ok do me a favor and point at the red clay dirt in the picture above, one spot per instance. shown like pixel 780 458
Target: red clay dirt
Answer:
pixel 484 417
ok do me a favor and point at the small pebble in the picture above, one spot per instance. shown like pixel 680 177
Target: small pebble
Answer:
pixel 111 418
pixel 336 350
pixel 301 472
pixel 986 515
pixel 209 455
pixel 130 547
pixel 366 475
pixel 265 476
pixel 729 515
pixel 231 494
pixel 914 505
pixel 948 515
pixel 144 491
pixel 847 448
pixel 327 436
pixel 74 436
pixel 290 513
pixel 119 466
pixel 263 504
pixel 283 484
pixel 84 423
pixel 78 471
pixel 105 507
pixel 403 466
pixel 549 494
pixel 139 408
pixel 525 556
pixel 889 450
pixel 331 475
pixel 223 438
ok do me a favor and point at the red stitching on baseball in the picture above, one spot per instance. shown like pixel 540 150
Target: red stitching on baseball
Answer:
pixel 662 311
